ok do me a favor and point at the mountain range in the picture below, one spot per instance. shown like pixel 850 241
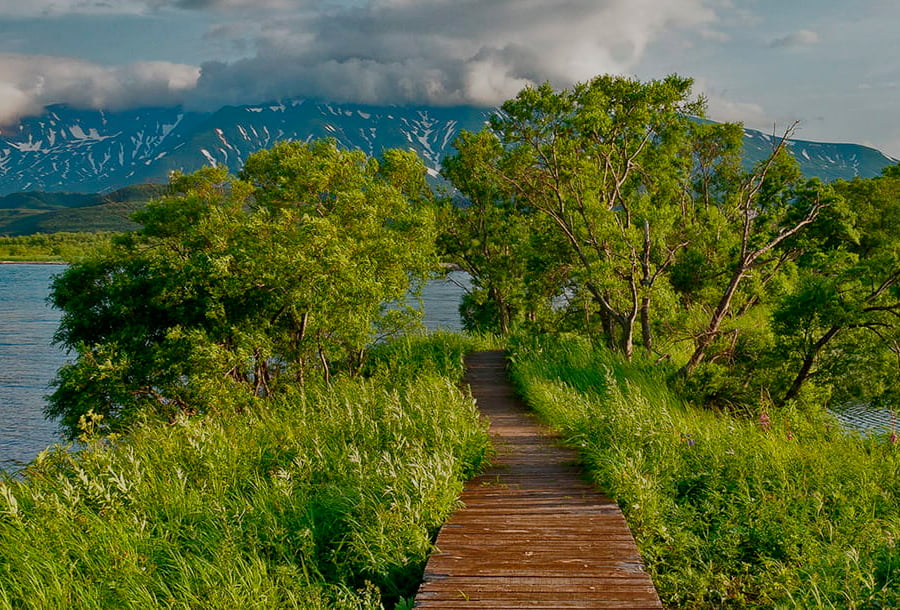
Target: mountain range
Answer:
pixel 67 149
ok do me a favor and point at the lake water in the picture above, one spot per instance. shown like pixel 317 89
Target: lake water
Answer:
pixel 28 361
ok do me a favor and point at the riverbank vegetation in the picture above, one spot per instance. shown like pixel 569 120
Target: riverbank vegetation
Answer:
pixel 609 211
pixel 286 274
pixel 50 247
pixel 323 497
pixel 688 321
pixel 779 509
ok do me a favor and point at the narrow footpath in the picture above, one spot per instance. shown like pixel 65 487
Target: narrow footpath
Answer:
pixel 532 533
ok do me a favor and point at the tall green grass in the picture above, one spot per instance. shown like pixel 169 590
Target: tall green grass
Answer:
pixel 771 509
pixel 325 498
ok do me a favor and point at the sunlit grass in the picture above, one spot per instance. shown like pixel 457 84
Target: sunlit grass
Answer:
pixel 772 509
pixel 327 497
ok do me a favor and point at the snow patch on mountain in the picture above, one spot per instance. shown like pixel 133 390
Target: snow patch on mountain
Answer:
pixel 92 151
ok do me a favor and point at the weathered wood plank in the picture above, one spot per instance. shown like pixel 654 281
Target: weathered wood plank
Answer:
pixel 532 533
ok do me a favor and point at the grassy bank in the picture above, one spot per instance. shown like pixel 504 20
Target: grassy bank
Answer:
pixel 50 248
pixel 326 498
pixel 771 509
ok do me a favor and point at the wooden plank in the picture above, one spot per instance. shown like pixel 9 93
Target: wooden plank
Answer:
pixel 531 533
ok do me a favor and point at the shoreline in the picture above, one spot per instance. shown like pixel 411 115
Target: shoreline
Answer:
pixel 33 263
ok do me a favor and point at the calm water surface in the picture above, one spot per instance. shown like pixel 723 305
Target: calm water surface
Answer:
pixel 28 361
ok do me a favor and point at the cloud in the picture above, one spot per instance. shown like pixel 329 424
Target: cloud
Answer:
pixel 30 82
pixel 714 35
pixel 722 107
pixel 438 52
pixel 800 38
pixel 57 8
pixel 444 52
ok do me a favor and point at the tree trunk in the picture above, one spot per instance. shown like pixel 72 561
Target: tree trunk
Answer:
pixel 646 331
pixel 806 368
pixel 502 310
pixel 626 345
pixel 712 329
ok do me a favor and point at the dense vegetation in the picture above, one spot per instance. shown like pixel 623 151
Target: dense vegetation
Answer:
pixel 53 247
pixel 248 285
pixel 605 210
pixel 780 510
pixel 324 497
pixel 714 312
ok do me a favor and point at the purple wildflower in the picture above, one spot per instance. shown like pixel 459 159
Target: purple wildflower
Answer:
pixel 764 421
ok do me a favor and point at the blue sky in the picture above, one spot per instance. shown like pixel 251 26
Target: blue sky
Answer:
pixel 829 64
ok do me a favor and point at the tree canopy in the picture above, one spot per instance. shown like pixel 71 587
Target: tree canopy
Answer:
pixel 293 268
pixel 613 208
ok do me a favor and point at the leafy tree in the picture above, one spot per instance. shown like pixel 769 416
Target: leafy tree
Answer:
pixel 516 261
pixel 294 268
pixel 769 206
pixel 604 164
pixel 841 326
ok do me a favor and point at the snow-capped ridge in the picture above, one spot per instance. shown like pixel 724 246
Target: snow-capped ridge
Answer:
pixel 95 151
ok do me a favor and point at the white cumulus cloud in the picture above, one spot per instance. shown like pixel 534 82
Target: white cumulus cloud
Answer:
pixel 439 52
pixel 30 82
pixel 445 52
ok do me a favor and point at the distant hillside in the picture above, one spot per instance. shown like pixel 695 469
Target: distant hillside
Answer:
pixel 39 212
pixel 827 161
pixel 94 151
pixel 48 163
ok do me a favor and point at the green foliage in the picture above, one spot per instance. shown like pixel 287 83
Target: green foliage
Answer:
pixel 322 497
pixel 607 211
pixel 243 285
pixel 839 324
pixel 602 166
pixel 771 509
pixel 517 262
pixel 54 247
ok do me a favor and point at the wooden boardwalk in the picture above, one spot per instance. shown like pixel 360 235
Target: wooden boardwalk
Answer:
pixel 532 534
